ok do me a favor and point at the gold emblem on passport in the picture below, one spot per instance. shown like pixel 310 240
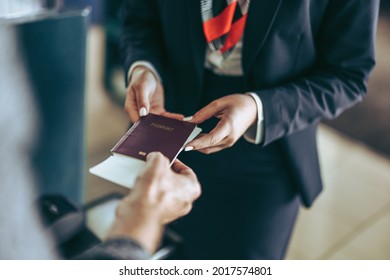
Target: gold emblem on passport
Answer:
pixel 142 154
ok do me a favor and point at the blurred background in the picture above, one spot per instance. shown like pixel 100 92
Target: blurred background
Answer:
pixel 351 218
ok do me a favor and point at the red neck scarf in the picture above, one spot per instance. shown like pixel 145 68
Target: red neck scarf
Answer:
pixel 224 23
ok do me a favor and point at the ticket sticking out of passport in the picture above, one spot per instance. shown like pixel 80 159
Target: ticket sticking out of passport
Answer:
pixel 152 133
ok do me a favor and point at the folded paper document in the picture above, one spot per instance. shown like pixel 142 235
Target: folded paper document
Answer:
pixel 152 133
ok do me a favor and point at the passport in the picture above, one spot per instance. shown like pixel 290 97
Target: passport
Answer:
pixel 152 133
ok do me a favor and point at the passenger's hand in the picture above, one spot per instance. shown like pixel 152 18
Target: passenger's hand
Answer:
pixel 145 95
pixel 160 195
pixel 236 113
pixel 165 192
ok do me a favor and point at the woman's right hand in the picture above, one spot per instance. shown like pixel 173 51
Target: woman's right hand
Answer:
pixel 145 94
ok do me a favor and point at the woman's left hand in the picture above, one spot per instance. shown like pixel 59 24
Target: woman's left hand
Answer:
pixel 236 113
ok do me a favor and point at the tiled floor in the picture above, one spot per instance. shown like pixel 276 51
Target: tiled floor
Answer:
pixel 351 218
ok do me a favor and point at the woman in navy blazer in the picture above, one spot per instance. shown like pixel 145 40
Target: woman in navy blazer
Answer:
pixel 305 59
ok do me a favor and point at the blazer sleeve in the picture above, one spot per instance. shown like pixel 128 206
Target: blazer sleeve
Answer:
pixel 141 38
pixel 345 59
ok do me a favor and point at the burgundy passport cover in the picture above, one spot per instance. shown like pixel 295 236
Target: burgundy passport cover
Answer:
pixel 154 133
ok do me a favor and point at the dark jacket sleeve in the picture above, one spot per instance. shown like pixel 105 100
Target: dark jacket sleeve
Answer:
pixel 141 37
pixel 116 249
pixel 345 59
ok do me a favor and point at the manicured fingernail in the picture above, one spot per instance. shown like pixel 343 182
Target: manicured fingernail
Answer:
pixel 143 112
pixel 189 148
pixel 187 119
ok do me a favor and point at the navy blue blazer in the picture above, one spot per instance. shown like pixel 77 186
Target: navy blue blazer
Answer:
pixel 306 59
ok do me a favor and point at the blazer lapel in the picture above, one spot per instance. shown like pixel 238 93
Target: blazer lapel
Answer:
pixel 198 40
pixel 261 16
